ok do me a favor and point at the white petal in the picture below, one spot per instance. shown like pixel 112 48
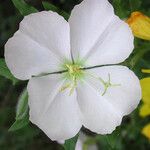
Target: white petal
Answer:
pixel 114 46
pixel 102 114
pixel 55 112
pixel 87 22
pixel 50 30
pixel 25 57
pixel 98 35
pixel 40 45
pixel 98 114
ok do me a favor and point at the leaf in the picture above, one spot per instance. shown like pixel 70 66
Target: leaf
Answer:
pixel 20 123
pixel 71 143
pixel 23 7
pixel 111 141
pixel 4 71
pixel 22 106
pixel 49 6
pixel 22 113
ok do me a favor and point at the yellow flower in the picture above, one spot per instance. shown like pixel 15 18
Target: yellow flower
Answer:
pixel 140 25
pixel 145 84
pixel 146 131
pixel 145 109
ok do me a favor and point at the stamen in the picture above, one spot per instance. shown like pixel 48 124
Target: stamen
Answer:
pixel 63 88
pixel 73 74
pixel 69 86
pixel 73 86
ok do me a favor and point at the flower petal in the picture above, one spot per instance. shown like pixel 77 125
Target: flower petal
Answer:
pixel 52 110
pixel 98 35
pixel 145 110
pixel 39 45
pixel 114 46
pixel 50 30
pixel 102 114
pixel 87 22
pixel 146 131
pixel 25 57
pixel 145 83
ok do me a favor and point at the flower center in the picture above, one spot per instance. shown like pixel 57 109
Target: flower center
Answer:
pixel 74 71
pixel 73 74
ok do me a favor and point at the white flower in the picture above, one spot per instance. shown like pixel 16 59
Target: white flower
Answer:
pixel 68 84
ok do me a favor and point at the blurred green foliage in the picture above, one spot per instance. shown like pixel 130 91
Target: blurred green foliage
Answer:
pixel 127 136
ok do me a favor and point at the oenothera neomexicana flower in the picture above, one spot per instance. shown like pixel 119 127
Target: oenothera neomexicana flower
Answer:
pixel 69 86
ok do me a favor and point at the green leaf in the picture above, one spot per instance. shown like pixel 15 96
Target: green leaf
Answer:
pixel 20 123
pixel 49 6
pixel 110 141
pixel 22 113
pixel 4 71
pixel 23 7
pixel 22 106
pixel 71 143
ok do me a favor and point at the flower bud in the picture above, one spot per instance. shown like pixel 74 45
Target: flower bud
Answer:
pixel 140 25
